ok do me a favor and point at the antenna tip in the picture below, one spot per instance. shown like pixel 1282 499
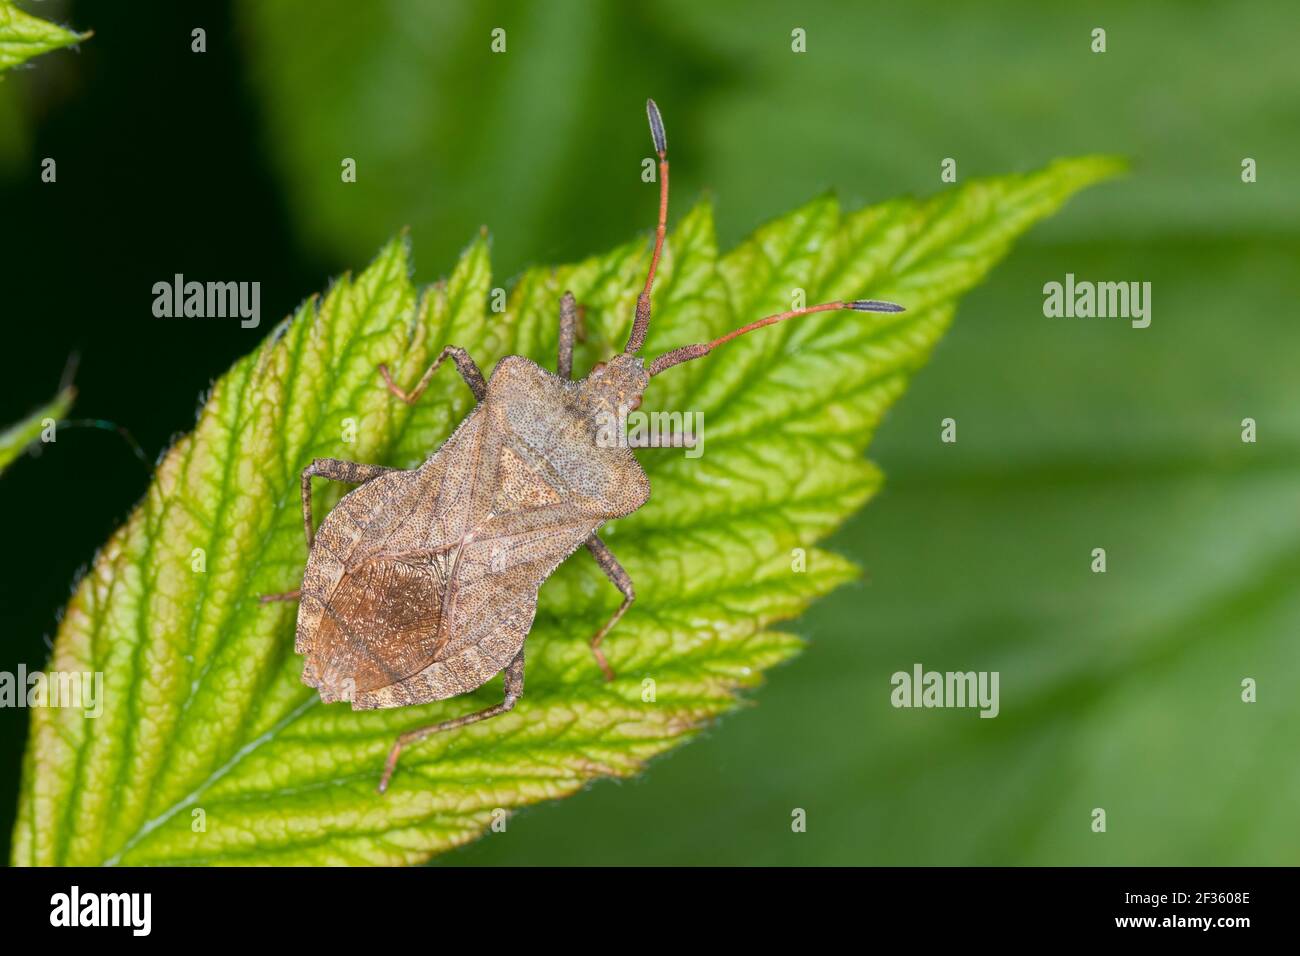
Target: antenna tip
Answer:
pixel 656 127
pixel 874 305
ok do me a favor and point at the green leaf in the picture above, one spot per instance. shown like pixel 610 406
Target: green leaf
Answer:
pixel 23 36
pixel 204 717
pixel 16 439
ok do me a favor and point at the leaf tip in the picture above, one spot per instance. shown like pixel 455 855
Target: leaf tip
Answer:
pixel 1094 168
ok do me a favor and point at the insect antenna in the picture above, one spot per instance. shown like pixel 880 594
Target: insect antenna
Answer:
pixel 66 388
pixel 686 353
pixel 642 321
pixel 107 426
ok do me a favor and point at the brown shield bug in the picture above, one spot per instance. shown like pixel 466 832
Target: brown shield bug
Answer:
pixel 422 585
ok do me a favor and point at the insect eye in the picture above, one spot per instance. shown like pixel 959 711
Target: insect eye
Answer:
pixel 598 366
pixel 634 404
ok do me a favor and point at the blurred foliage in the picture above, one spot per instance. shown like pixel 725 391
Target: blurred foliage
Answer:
pixel 549 135
pixel 448 136
pixel 23 36
pixel 21 435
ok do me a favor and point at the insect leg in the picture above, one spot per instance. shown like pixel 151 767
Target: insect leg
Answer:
pixel 464 364
pixel 514 689
pixel 334 469
pixel 568 327
pixel 614 571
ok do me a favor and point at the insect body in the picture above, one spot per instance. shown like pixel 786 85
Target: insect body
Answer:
pixel 422 585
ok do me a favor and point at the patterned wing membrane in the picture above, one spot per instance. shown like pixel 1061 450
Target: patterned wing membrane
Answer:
pixel 421 624
pixel 379 626
pixel 487 605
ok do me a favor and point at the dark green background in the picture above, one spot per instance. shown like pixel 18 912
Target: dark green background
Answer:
pixel 1118 691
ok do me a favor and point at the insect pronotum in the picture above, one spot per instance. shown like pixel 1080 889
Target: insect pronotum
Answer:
pixel 422 585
